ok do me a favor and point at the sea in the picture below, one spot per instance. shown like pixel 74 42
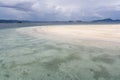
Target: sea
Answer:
pixel 23 57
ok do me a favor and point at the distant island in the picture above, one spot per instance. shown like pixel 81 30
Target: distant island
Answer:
pixel 12 21
pixel 108 20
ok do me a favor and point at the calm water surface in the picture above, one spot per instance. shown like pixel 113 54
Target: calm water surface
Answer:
pixel 24 57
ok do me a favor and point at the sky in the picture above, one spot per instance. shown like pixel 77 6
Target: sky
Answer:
pixel 52 10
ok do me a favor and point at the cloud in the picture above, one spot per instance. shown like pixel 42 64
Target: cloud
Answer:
pixel 59 9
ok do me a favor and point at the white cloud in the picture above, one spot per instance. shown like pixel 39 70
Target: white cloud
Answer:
pixel 60 9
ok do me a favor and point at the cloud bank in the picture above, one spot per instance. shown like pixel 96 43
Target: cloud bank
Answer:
pixel 46 10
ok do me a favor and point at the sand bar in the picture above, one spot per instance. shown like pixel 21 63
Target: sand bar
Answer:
pixel 78 34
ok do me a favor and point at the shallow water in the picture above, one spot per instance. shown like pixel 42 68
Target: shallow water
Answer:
pixel 23 57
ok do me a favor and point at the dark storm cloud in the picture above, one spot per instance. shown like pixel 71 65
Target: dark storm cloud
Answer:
pixel 19 6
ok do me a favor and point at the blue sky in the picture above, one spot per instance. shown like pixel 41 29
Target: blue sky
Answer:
pixel 45 10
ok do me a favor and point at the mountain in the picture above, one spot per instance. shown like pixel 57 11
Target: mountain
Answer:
pixel 108 20
pixel 12 21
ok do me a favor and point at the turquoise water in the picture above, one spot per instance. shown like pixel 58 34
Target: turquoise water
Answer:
pixel 23 57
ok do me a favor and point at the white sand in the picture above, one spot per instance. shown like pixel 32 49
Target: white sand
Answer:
pixel 78 34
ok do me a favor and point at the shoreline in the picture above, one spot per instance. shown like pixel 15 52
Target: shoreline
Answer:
pixel 23 25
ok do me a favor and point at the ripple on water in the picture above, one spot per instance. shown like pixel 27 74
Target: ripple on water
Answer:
pixel 24 57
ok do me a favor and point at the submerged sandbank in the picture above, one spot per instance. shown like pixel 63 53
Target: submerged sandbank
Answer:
pixel 67 52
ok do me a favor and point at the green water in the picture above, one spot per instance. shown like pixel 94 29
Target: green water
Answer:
pixel 24 57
